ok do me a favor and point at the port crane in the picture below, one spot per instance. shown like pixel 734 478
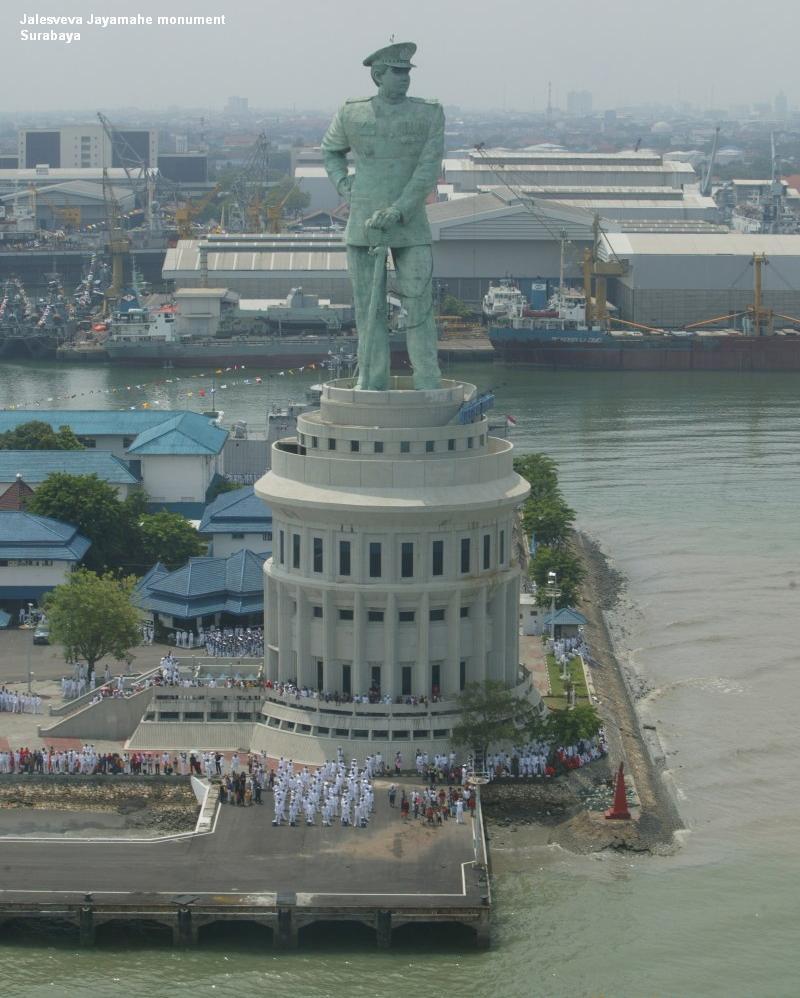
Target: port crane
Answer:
pixel 705 187
pixel 140 177
pixel 250 187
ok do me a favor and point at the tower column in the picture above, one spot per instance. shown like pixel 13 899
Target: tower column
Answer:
pixel 451 668
pixel 391 682
pixel 328 640
pixel 360 684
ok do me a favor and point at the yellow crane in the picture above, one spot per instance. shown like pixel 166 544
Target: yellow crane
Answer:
pixel 275 211
pixel 189 210
pixel 119 245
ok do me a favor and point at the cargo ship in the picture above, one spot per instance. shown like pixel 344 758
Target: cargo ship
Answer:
pixel 560 338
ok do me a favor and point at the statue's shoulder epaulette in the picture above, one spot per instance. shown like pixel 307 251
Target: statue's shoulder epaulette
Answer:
pixel 358 100
pixel 424 100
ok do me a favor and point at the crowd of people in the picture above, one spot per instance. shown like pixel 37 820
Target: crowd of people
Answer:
pixel 434 806
pixel 565 649
pixel 14 702
pixel 334 791
pixel 291 689
pixel 543 759
pixel 228 642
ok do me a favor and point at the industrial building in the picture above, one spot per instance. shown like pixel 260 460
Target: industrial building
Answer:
pixel 69 204
pixel 263 266
pixel 84 146
pixel 677 279
pixel 490 167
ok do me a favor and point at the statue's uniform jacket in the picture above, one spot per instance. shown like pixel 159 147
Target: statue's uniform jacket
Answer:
pixel 398 151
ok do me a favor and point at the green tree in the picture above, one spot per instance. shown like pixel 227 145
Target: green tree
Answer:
pixel 91 505
pixel 450 305
pixel 490 714
pixel 218 486
pixel 287 192
pixel 38 435
pixel 566 727
pixel 170 539
pixel 569 573
pixel 548 519
pixel 540 472
pixel 92 616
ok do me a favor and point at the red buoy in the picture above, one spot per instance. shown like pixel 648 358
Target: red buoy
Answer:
pixel 619 810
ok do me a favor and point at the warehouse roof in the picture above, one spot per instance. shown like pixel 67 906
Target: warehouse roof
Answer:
pixel 186 257
pixel 23 536
pixel 35 465
pixel 673 244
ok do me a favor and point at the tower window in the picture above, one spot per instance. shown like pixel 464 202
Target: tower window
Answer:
pixel 465 555
pixel 375 560
pixel 344 557
pixel 295 550
pixel 407 560
pixel 487 551
pixel 437 559
pixel 317 554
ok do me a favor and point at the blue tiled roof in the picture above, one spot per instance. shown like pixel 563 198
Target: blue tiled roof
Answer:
pixel 88 422
pixel 205 585
pixel 167 432
pixel 240 511
pixel 23 535
pixel 35 465
pixel 184 433
pixel 565 616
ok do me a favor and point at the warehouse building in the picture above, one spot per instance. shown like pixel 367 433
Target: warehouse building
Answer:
pixel 263 266
pixel 548 169
pixel 677 279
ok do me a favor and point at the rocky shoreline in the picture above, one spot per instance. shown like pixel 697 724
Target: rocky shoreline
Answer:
pixel 568 810
pixel 152 805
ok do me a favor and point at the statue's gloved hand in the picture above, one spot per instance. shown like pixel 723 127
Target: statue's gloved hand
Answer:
pixel 344 187
pixel 383 218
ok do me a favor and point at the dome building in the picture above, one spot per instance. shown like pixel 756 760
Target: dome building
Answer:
pixel 394 578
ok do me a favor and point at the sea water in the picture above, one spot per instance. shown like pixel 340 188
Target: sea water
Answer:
pixel 691 485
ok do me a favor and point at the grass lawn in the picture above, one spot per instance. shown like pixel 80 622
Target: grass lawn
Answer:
pixel 557 699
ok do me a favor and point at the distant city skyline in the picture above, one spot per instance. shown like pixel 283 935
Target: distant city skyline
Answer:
pixel 307 55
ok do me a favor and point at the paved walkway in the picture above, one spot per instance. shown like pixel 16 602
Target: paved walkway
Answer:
pixel 532 656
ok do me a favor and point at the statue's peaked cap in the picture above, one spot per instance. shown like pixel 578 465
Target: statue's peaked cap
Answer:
pixel 398 54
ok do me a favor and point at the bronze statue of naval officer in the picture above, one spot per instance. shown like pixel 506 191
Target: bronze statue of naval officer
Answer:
pixel 398 144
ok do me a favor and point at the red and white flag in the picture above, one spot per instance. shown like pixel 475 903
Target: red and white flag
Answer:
pixel 510 421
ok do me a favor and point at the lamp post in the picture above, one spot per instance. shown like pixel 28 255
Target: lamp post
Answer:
pixel 30 645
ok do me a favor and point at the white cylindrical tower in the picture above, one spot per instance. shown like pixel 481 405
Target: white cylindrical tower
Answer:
pixel 393 572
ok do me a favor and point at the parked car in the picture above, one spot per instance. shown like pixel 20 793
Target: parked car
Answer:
pixel 41 636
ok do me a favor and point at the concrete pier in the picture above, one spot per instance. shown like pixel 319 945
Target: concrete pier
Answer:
pixel 286 880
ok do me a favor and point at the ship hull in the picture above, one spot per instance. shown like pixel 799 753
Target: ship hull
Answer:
pixel 269 353
pixel 607 353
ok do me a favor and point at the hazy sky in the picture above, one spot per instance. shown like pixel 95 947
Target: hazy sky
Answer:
pixel 477 53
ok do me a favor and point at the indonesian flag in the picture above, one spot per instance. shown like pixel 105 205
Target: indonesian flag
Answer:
pixel 510 421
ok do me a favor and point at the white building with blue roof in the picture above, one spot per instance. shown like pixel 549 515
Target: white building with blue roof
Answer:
pixel 227 591
pixel 175 454
pixel 236 520
pixel 34 466
pixel 37 554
